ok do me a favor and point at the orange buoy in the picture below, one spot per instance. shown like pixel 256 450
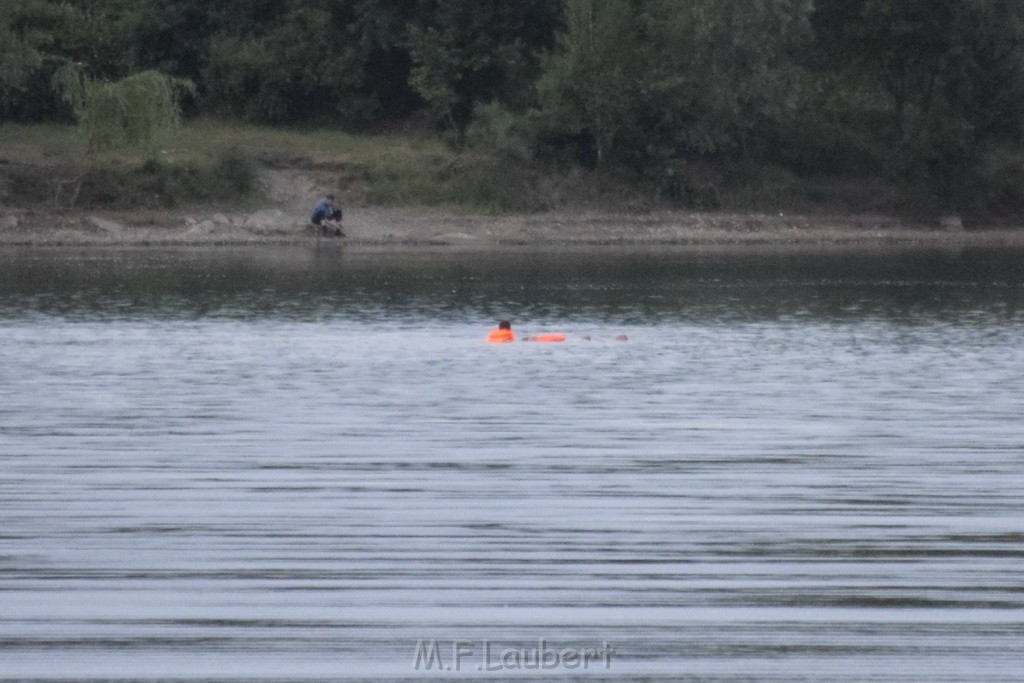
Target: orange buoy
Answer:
pixel 547 337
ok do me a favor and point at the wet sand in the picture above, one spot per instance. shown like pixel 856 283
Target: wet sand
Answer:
pixel 369 226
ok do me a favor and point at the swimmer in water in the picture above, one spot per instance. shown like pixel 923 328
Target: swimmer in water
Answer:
pixel 501 333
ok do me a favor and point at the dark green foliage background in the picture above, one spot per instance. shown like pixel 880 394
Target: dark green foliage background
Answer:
pixel 682 96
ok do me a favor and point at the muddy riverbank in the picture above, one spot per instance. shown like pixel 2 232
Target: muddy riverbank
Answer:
pixel 432 227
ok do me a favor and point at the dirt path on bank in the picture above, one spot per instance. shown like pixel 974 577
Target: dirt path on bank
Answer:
pixel 281 216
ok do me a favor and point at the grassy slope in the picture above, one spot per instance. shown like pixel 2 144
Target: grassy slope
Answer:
pixel 402 167
pixel 192 142
pixel 391 170
pixel 207 161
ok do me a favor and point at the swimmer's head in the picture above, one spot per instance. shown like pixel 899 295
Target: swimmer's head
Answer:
pixel 504 325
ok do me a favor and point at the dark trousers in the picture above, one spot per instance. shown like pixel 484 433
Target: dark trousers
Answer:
pixel 334 216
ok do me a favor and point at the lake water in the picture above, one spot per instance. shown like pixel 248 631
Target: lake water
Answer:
pixel 292 463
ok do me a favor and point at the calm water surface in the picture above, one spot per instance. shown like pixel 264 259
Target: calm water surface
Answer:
pixel 304 463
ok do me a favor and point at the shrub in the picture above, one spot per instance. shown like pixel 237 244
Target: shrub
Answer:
pixel 228 175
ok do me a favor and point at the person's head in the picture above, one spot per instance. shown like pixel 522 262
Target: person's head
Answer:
pixel 330 197
pixel 504 325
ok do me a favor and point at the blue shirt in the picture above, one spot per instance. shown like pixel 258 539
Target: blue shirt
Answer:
pixel 324 207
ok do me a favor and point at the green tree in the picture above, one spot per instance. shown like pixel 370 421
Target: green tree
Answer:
pixel 38 37
pixel 951 74
pixel 98 34
pixel 28 57
pixel 986 75
pixel 380 29
pixel 659 80
pixel 173 37
pixel 593 85
pixel 724 73
pixel 342 61
pixel 132 112
pixel 298 68
pixel 904 45
pixel 19 59
pixel 466 52
pixel 934 59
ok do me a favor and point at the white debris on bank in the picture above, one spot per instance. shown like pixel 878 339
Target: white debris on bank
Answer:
pixel 105 225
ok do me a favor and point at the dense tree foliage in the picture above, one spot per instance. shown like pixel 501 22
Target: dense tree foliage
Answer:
pixel 664 79
pixel 467 51
pixel 948 76
pixel 920 90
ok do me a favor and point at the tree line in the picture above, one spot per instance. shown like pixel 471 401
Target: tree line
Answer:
pixel 929 93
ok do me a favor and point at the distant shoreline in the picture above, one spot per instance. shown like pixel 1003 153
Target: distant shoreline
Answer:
pixel 433 228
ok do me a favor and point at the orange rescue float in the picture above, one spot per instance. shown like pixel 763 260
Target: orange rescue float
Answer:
pixel 547 337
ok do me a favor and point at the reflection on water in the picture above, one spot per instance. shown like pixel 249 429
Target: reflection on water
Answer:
pixel 645 287
pixel 253 464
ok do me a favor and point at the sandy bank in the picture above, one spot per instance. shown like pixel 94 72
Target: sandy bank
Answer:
pixel 434 228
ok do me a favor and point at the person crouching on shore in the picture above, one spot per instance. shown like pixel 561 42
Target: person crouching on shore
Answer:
pixel 327 217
